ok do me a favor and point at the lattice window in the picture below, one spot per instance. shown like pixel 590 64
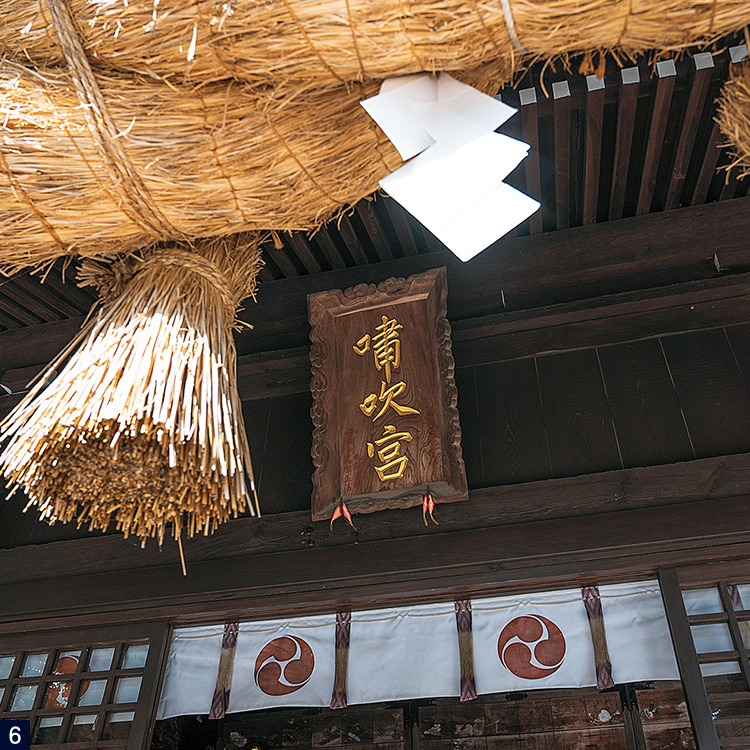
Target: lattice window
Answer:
pixel 79 692
pixel 711 632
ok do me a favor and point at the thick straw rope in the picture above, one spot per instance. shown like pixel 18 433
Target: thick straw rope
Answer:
pixel 321 42
pixel 136 201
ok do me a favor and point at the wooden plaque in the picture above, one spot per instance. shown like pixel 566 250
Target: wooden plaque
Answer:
pixel 385 420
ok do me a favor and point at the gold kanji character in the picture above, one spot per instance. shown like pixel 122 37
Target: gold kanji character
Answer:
pixel 389 395
pixel 394 464
pixel 369 405
pixel 363 345
pixel 386 346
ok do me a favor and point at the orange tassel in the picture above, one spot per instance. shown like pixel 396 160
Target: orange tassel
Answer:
pixel 428 505
pixel 342 510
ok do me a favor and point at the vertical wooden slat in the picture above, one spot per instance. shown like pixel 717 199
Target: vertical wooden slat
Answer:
pixel 731 178
pixel 401 227
pixel 628 101
pixel 708 168
pixel 703 68
pixel 687 662
pixel 352 242
pixel 329 249
pixel 530 124
pixel 375 232
pixel 281 259
pixel 662 101
pixel 301 247
pixel 594 120
pixel 561 97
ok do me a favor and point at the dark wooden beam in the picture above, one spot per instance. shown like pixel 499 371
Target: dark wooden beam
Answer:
pixel 325 242
pixel 693 112
pixel 594 122
pixel 531 163
pixel 708 166
pixel 374 230
pixel 731 178
pixel 561 96
pixel 281 259
pixel 643 252
pixel 17 306
pixel 589 495
pixel 401 226
pixel 628 101
pixel 659 116
pixel 353 245
pixel 301 247
pixel 618 545
pixel 630 316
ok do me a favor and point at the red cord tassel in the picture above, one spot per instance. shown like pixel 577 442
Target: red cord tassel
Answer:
pixel 428 505
pixel 342 510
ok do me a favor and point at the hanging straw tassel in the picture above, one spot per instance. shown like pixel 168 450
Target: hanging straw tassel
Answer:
pixel 733 117
pixel 143 426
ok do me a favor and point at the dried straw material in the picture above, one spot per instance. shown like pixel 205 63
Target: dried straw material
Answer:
pixel 143 425
pixel 314 42
pixel 734 116
pixel 212 161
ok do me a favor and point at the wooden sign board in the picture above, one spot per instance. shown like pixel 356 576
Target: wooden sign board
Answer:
pixel 385 420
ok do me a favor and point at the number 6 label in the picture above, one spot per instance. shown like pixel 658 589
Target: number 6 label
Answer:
pixel 15 735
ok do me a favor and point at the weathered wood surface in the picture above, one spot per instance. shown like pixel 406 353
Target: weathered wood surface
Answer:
pixel 612 546
pixel 643 252
pixel 384 451
pixel 722 477
pixel 612 319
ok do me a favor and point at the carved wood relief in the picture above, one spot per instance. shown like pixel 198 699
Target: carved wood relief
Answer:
pixel 386 428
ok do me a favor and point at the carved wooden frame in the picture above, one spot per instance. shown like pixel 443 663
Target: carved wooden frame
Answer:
pixel 324 308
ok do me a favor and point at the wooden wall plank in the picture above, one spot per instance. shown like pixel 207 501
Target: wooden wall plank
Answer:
pixel 576 414
pixel 693 111
pixel 594 121
pixel 285 466
pixel 723 477
pixel 644 405
pixel 626 110
pixel 510 423
pixel 644 252
pixel 469 415
pixel 562 551
pixel 712 391
pixel 659 117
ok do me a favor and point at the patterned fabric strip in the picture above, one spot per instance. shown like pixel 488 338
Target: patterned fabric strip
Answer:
pixel 343 631
pixel 465 649
pixel 593 604
pixel 220 701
